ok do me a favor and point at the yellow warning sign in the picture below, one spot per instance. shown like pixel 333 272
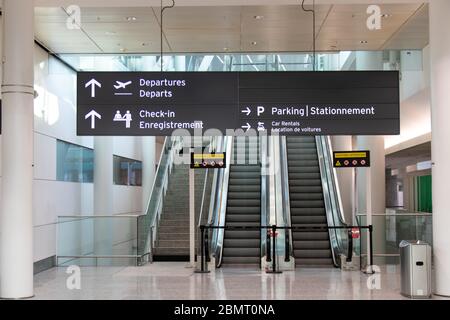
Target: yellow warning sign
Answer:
pixel 338 164
pixel 351 155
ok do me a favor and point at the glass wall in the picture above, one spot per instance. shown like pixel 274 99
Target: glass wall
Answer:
pixel 127 172
pixel 74 163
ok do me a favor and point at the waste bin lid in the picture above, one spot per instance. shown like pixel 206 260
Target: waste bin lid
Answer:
pixel 406 243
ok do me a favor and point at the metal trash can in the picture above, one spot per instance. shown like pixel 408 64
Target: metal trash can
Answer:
pixel 415 269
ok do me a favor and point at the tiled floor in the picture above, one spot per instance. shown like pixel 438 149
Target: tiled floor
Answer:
pixel 173 280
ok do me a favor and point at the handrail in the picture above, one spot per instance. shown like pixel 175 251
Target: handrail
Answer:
pixel 148 225
pixel 221 200
pixel 286 191
pixel 265 208
pixel 333 204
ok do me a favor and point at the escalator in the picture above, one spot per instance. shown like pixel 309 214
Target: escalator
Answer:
pixel 243 207
pixel 311 246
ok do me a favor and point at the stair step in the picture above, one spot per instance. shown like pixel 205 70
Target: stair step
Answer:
pixel 308 211
pixel 296 196
pixel 226 260
pixel 310 236
pixel 241 243
pixel 242 234
pixel 312 253
pixel 313 262
pixel 307 204
pixel 315 244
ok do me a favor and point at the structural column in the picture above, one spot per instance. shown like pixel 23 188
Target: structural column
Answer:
pixel 103 197
pixel 345 177
pixel 371 185
pixel 16 224
pixel 148 170
pixel 440 116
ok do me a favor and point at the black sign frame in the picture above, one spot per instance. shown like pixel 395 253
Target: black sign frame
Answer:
pixel 351 159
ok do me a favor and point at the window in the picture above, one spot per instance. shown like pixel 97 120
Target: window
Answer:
pixel 127 172
pixel 74 163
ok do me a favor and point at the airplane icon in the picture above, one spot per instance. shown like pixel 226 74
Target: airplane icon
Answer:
pixel 121 84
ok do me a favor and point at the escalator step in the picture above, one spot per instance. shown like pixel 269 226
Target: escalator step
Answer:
pixel 303 176
pixel 240 252
pixel 248 168
pixel 256 260
pixel 243 210
pixel 314 262
pixel 243 203
pixel 314 253
pixel 306 182
pixel 244 195
pixel 242 234
pixel 244 175
pixel 245 181
pixel 308 219
pixel 243 219
pixel 309 236
pixel 308 211
pixel 242 243
pixel 293 158
pixel 302 189
pixel 307 204
pixel 317 244
pixel 306 196
pixel 304 169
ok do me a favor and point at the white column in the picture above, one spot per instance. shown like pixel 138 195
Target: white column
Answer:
pixel 148 169
pixel 103 196
pixel 345 177
pixel 16 224
pixel 375 197
pixel 440 115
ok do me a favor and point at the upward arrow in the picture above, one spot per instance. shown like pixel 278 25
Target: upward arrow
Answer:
pixel 92 83
pixel 92 114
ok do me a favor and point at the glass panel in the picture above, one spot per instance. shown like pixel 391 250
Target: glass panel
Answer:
pixel 146 221
pixel 390 230
pixel 97 240
pixel 127 172
pixel 74 163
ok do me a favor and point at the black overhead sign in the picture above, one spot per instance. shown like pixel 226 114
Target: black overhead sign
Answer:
pixel 208 160
pixel 351 159
pixel 287 103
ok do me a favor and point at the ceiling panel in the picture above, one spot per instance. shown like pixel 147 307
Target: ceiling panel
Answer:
pixel 231 28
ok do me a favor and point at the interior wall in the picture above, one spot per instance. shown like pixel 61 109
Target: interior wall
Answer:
pixel 55 118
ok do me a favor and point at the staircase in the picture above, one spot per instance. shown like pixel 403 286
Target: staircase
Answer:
pixel 311 248
pixel 243 205
pixel 173 233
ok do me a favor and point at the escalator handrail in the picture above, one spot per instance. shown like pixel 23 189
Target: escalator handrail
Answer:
pixel 333 204
pixel 221 201
pixel 286 192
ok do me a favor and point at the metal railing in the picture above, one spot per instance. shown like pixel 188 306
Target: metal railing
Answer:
pixel 272 235
pixel 332 198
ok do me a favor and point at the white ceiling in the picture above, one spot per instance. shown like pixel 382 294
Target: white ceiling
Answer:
pixel 283 28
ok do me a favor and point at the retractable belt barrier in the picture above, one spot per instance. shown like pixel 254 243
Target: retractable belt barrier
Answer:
pixel 204 241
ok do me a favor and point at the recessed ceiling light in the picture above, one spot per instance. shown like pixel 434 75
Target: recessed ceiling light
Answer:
pixel 110 33
pixel 123 49
pixel 385 15
pixel 131 18
pixel 144 44
pixel 254 43
pixel 225 49
pixel 363 42
pixel 258 17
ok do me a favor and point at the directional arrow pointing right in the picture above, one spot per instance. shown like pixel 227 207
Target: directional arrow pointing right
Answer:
pixel 92 83
pixel 93 114
pixel 247 111
pixel 247 126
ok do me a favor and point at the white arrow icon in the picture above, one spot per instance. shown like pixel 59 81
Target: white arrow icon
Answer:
pixel 247 126
pixel 93 83
pixel 93 114
pixel 247 111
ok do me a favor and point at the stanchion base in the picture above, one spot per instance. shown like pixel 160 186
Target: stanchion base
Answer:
pixel 200 271
pixel 275 272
